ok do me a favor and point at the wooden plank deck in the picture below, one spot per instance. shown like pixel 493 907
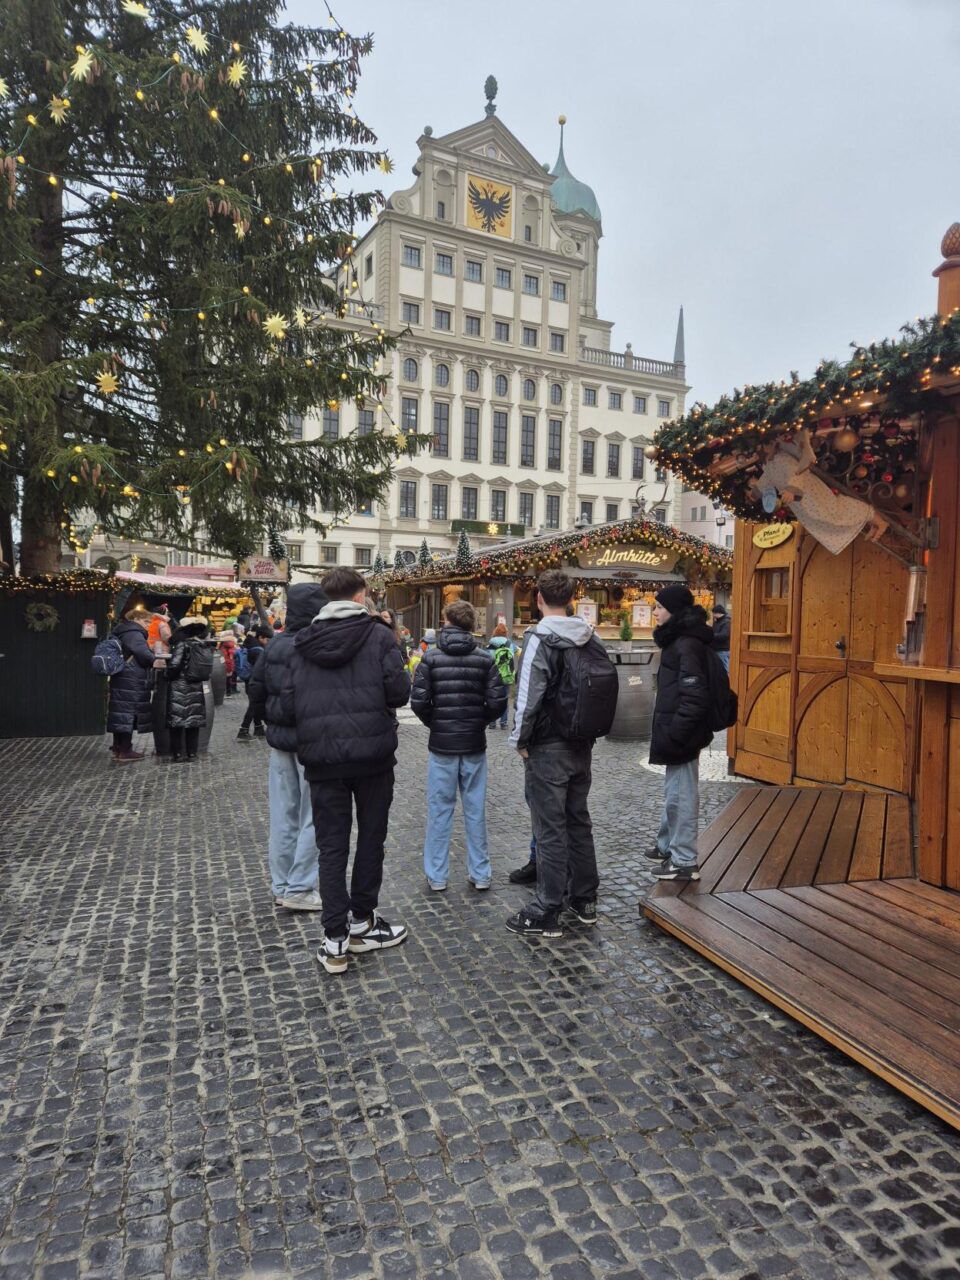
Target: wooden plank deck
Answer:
pixel 808 896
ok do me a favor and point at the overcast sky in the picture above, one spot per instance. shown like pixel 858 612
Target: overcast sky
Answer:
pixel 785 169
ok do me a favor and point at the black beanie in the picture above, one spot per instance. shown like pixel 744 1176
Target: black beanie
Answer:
pixel 674 598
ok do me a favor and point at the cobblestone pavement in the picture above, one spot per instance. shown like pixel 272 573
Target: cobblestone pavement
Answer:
pixel 185 1093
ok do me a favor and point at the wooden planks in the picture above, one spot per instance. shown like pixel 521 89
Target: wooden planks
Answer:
pixel 808 897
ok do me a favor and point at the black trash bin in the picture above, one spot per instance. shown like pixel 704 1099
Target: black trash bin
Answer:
pixel 637 671
pixel 218 679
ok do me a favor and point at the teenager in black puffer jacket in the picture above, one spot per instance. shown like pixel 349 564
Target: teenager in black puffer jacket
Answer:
pixel 681 727
pixel 457 692
pixel 186 712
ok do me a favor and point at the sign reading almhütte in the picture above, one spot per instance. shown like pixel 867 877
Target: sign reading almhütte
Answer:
pixel 263 569
pixel 625 558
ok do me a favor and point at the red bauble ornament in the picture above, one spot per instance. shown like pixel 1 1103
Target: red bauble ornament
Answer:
pixel 887 477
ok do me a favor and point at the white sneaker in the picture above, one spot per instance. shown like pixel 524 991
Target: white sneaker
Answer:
pixel 479 885
pixel 375 934
pixel 308 901
pixel 334 953
pixel 438 886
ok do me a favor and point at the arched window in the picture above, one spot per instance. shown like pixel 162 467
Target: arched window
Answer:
pixel 472 380
pixel 556 393
pixel 529 389
pixel 442 375
pixel 410 370
pixel 500 385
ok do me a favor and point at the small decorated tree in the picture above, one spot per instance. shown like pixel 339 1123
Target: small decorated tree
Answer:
pixel 461 561
pixel 378 566
pixel 626 631
pixel 424 558
pixel 398 561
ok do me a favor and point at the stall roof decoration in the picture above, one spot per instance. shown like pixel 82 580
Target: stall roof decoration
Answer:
pixel 889 381
pixel 533 555
pixel 90 581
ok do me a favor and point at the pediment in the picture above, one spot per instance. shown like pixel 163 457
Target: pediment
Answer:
pixel 490 141
pixel 470 478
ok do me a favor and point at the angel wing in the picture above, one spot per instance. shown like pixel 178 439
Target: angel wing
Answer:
pixel 488 207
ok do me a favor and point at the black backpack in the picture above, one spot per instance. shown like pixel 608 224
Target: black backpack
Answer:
pixel 584 700
pixel 724 703
pixel 199 664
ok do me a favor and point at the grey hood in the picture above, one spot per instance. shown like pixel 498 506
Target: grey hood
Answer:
pixel 564 633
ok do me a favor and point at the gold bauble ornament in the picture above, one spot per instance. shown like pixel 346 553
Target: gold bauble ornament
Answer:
pixel 846 441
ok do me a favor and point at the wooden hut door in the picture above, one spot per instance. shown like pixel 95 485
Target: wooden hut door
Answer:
pixel 851 726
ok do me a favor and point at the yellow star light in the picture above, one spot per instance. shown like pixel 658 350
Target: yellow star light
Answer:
pixel 107 382
pixel 4 89
pixel 276 326
pixel 135 9
pixel 385 164
pixel 197 41
pixel 236 73
pixel 81 68
pixel 58 109
pixel 300 317
pixel 401 442
pixel 239 230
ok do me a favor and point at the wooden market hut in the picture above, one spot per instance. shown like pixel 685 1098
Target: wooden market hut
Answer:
pixel 834 891
pixel 617 568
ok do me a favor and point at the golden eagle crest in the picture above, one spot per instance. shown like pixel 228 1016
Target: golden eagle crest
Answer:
pixel 490 204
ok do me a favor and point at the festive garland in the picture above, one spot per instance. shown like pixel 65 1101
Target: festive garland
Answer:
pixel 523 560
pixel 874 398
pixel 41 617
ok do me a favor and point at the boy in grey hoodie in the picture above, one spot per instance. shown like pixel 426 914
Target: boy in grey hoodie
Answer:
pixel 557 769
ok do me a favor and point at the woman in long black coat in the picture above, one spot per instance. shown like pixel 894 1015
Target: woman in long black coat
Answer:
pixel 129 707
pixel 186 713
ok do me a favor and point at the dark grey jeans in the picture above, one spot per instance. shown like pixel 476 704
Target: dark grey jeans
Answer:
pixel 557 784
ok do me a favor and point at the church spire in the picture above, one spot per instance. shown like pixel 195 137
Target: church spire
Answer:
pixel 679 355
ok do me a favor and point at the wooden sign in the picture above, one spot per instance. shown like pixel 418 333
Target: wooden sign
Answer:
pixel 772 535
pixel 628 557
pixel 263 569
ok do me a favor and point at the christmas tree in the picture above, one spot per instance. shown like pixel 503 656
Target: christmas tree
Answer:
pixel 378 566
pixel 176 192
pixel 399 563
pixel 424 558
pixel 461 563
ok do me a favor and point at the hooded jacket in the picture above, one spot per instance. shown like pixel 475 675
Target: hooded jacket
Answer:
pixel 721 633
pixel 185 699
pixel 681 713
pixel 346 679
pixel 265 686
pixel 457 692
pixel 542 654
pixel 129 706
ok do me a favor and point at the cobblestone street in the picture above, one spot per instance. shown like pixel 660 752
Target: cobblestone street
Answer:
pixel 184 1093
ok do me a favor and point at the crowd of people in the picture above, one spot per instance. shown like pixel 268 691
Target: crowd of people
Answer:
pixel 325 689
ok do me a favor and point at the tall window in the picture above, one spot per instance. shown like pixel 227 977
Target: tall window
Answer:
pixel 558 290
pixel 615 400
pixel 531 285
pixel 468 502
pixel 613 511
pixel 501 331
pixel 329 555
pixel 295 425
pixel 528 233
pixel 554 445
pixel 412 255
pixel 441 375
pixel 408 499
pixel 441 318
pixel 498 505
pixel 410 312
pixel 637 469
pixel 558 342
pixel 409 414
pixel 587 457
pixel 556 393
pixel 368 266
pixel 500 385
pixel 663 408
pixel 503 278
pixel 366 507
pixel 471 433
pixel 473 270
pixel 528 440
pixel 438 502
pixel 613 461
pixel 639 404
pixel 526 510
pixel 552 515
pixel 441 429
pixel 366 421
pixel 443 264
pixel 472 326
pixel 529 389
pixel 410 370
pixel 660 513
pixel 361 557
pixel 441 211
pixel 499 438
pixel 530 336
pixel 586 512
pixel 331 424
pixel 590 396
pixel 472 380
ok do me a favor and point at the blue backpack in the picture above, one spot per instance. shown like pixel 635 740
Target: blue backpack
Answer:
pixel 108 659
pixel 241 665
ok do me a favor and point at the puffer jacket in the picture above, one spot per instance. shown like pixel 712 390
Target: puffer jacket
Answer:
pixel 457 692
pixel 721 633
pixel 346 678
pixel 129 706
pixel 681 723
pixel 185 704
pixel 265 686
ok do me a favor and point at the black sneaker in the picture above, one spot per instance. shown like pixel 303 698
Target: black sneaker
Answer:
pixel 585 912
pixel 243 734
pixel 670 871
pixel 655 855
pixel 259 731
pixel 547 926
pixel 527 874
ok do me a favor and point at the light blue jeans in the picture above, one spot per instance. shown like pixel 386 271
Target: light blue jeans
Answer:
pixel 681 813
pixel 293 844
pixel 445 775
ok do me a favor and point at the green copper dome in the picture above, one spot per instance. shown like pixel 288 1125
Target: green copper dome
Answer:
pixel 567 194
